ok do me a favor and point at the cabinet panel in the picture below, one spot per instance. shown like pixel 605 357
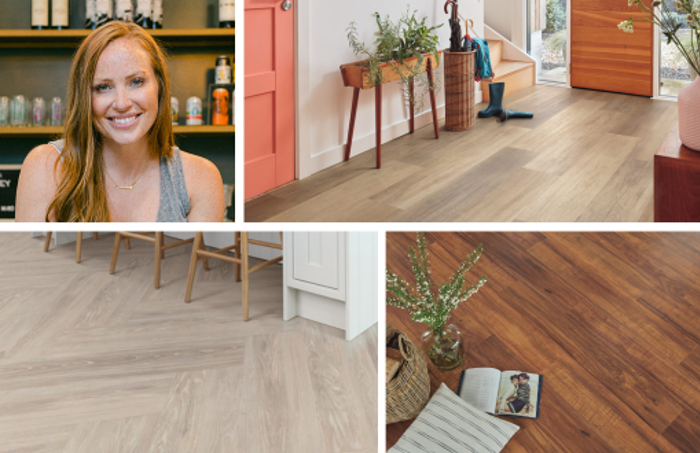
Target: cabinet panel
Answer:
pixel 316 258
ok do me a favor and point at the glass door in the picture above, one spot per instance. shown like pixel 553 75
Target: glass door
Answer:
pixel 674 71
pixel 547 37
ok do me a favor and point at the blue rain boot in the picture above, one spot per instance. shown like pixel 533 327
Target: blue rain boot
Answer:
pixel 504 115
pixel 495 100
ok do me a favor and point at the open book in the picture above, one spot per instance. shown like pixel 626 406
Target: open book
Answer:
pixel 508 393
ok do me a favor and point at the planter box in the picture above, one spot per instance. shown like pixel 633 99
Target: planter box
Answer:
pixel 357 74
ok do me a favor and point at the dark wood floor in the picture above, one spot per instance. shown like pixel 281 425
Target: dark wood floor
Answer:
pixel 612 321
pixel 586 156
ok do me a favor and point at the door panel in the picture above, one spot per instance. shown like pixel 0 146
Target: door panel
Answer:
pixel 603 57
pixel 269 96
pixel 316 258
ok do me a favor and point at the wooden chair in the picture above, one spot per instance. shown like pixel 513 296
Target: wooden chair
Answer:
pixel 240 260
pixel 160 248
pixel 78 244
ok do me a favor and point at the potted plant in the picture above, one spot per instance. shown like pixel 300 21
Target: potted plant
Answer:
pixel 402 52
pixel 442 342
pixel 672 25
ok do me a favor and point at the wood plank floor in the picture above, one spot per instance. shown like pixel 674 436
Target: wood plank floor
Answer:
pixel 610 319
pixel 586 156
pixel 92 362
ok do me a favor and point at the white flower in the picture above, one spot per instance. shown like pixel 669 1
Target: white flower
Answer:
pixel 626 26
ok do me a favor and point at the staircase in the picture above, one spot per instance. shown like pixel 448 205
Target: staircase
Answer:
pixel 516 74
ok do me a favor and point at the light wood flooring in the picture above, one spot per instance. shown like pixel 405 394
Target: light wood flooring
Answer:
pixel 92 362
pixel 587 156
pixel 609 319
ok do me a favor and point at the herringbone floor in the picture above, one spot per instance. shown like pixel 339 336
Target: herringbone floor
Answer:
pixel 92 362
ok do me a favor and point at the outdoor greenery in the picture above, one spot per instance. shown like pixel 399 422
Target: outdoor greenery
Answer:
pixel 397 41
pixel 662 15
pixel 557 43
pixel 556 16
pixel 420 300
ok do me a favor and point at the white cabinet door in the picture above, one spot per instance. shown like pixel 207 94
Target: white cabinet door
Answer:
pixel 316 258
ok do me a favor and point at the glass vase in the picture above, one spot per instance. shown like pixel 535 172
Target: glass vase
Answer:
pixel 445 349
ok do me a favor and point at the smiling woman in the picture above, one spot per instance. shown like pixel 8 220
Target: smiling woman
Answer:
pixel 117 160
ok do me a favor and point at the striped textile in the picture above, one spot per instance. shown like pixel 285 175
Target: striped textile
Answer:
pixel 448 424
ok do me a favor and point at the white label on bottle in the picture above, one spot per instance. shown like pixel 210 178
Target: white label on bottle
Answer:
pixel 157 11
pixel 90 10
pixel 105 8
pixel 125 10
pixel 227 10
pixel 59 13
pixel 40 13
pixel 143 8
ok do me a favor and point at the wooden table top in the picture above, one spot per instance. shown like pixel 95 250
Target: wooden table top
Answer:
pixel 610 319
pixel 672 148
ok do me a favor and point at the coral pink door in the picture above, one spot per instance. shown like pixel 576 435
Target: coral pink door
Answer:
pixel 269 95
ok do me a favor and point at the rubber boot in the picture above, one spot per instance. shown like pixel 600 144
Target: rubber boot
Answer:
pixel 510 114
pixel 495 100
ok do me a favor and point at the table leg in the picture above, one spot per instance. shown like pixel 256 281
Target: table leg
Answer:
pixel 411 88
pixel 378 122
pixel 351 129
pixel 432 97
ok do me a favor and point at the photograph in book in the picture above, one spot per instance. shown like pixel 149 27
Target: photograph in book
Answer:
pixel 508 393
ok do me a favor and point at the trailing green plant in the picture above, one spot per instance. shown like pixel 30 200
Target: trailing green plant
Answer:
pixel 397 41
pixel 423 304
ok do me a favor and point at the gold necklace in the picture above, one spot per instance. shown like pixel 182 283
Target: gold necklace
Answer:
pixel 127 187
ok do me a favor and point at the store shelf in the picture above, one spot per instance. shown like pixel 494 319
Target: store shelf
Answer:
pixel 57 131
pixel 204 37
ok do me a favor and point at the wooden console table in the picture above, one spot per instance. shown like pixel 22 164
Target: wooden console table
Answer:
pixel 676 181
pixel 356 75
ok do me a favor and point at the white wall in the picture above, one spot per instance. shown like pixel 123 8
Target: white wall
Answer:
pixel 323 103
pixel 508 18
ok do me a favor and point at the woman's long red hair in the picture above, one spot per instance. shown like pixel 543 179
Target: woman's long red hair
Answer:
pixel 80 195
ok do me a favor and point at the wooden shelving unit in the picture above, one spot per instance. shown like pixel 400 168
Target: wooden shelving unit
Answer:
pixel 204 37
pixel 48 131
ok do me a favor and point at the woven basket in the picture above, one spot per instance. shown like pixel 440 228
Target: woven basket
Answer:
pixel 409 390
pixel 459 91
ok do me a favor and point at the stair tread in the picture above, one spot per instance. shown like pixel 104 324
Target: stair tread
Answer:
pixel 505 67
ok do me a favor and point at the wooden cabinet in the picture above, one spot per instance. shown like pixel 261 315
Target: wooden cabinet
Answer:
pixel 331 278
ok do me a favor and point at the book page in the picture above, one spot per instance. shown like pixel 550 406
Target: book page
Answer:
pixel 480 388
pixel 518 394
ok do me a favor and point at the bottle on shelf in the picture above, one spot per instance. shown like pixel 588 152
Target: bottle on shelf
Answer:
pixel 90 14
pixel 40 14
pixel 157 14
pixel 104 12
pixel 124 10
pixel 60 15
pixel 142 14
pixel 227 14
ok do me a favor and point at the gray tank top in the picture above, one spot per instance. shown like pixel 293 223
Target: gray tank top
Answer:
pixel 174 204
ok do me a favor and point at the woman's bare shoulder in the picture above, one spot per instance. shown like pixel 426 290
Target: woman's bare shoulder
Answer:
pixel 205 188
pixel 37 183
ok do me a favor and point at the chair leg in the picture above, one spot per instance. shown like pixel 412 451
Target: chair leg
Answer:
pixel 237 267
pixel 128 244
pixel 162 243
pixel 205 261
pixel 157 258
pixel 193 266
pixel 115 252
pixel 246 275
pixel 47 242
pixel 79 246
pixel 94 235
